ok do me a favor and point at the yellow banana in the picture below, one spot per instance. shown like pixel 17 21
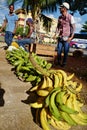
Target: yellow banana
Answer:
pixel 42 92
pixel 70 76
pixel 60 79
pixel 49 82
pixel 79 87
pixel 34 88
pixel 69 101
pixel 65 97
pixel 72 83
pixel 36 105
pixel 43 119
pixel 64 75
pixel 56 80
pixel 60 125
pixel 41 85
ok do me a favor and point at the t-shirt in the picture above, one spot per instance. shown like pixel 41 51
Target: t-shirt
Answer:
pixel 11 19
pixel 65 24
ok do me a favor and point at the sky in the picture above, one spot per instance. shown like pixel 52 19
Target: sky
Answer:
pixel 79 20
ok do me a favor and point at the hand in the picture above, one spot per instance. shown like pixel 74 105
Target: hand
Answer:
pixel 54 37
pixel 69 39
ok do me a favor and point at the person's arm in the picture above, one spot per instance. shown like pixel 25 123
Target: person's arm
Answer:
pixel 3 25
pixel 72 29
pixel 30 32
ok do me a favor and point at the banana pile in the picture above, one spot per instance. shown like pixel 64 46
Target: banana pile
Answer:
pixel 58 104
pixel 24 70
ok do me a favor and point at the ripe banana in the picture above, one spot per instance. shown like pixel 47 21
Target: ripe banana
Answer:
pixel 49 82
pixel 60 79
pixel 36 105
pixel 69 102
pixel 72 83
pixel 79 87
pixel 44 83
pixel 60 125
pixel 42 92
pixel 65 97
pixel 70 77
pixel 43 119
pixel 34 88
pixel 56 80
pixel 64 75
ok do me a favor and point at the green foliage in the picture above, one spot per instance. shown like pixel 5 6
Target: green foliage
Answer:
pixel 84 27
pixel 20 31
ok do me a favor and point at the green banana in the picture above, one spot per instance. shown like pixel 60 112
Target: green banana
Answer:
pixel 47 101
pixel 66 109
pixel 68 118
pixel 52 105
pixel 60 79
pixel 59 97
pixel 43 119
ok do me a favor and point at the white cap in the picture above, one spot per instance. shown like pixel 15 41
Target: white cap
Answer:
pixel 66 5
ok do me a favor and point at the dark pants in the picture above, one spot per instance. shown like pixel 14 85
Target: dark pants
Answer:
pixel 62 45
pixel 8 37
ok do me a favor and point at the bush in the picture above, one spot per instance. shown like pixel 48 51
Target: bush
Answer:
pixel 20 31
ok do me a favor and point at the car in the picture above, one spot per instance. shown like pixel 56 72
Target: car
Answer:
pixel 79 44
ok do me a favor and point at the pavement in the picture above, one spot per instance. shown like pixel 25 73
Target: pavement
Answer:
pixel 15 112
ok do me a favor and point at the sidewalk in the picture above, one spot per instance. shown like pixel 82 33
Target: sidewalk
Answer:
pixel 14 114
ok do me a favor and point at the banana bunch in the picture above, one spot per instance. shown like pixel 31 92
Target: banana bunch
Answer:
pixel 60 107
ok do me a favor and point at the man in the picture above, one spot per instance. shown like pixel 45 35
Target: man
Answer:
pixel 65 30
pixel 31 36
pixel 10 23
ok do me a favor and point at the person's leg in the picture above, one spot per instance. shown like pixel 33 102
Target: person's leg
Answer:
pixel 66 50
pixel 59 49
pixel 24 42
pixel 8 37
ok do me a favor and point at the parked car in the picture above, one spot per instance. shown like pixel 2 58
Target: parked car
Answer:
pixel 79 44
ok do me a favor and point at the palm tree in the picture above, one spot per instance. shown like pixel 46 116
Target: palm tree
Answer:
pixel 84 28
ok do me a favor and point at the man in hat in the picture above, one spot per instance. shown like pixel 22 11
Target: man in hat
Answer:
pixel 65 30
pixel 30 38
